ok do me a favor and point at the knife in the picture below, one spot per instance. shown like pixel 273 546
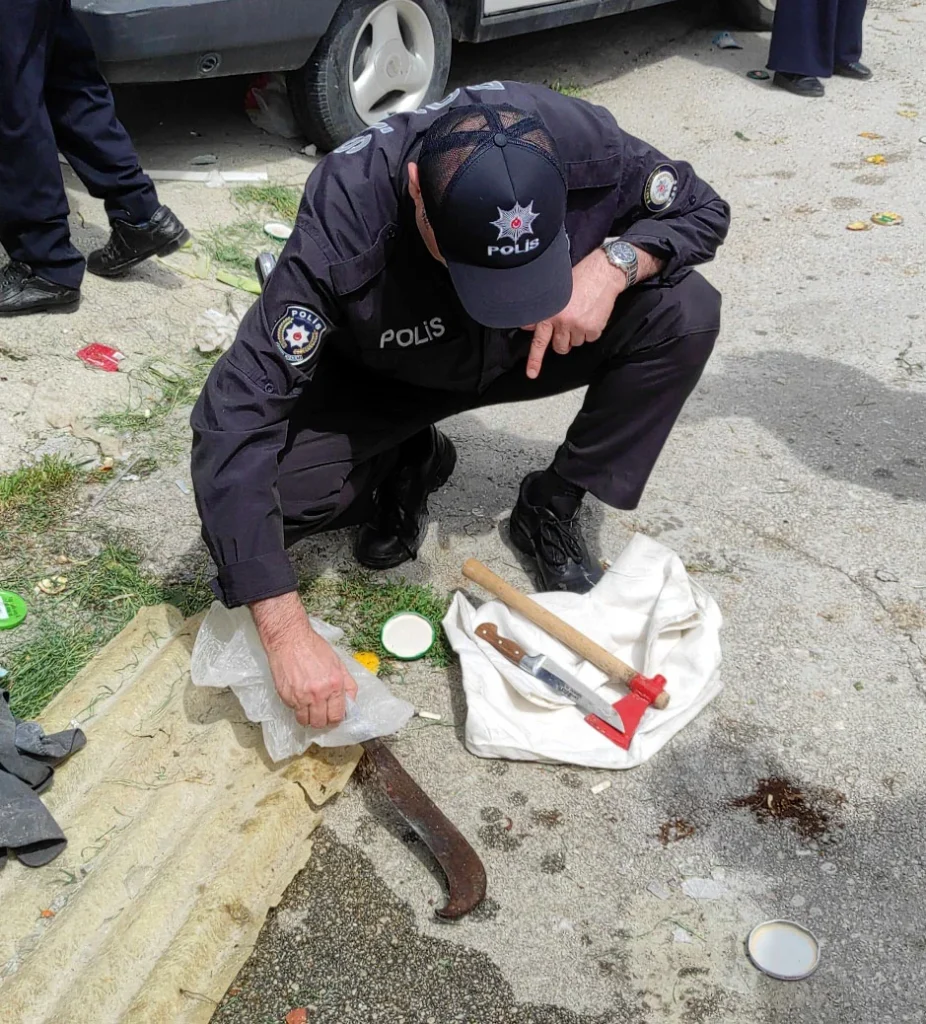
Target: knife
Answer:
pixel 557 679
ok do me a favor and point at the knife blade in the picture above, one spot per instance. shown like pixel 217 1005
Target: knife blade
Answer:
pixel 552 675
pixel 560 681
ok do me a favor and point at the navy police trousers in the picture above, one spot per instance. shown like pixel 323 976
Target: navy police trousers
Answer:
pixel 54 99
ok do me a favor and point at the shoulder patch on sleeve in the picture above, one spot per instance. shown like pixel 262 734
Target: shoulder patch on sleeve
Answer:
pixel 661 188
pixel 298 334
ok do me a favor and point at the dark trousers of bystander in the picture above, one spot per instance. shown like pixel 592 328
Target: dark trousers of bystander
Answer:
pixel 54 99
pixel 813 37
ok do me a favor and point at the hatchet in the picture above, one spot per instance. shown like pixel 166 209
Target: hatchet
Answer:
pixel 649 688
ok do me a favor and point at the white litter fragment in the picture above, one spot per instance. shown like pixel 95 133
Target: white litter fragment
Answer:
pixel 204 160
pixel 182 487
pixel 725 41
pixel 430 716
pixel 658 890
pixel 215 331
pixel 680 935
pixel 276 229
pixel 601 787
pixel 3 672
pixel 310 150
pixel 703 889
pixel 211 179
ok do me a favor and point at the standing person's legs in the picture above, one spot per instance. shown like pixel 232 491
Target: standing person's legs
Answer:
pixel 89 135
pixel 803 41
pixel 849 20
pixel 99 149
pixel 33 204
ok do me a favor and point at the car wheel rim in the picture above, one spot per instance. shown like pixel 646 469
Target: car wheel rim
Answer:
pixel 392 61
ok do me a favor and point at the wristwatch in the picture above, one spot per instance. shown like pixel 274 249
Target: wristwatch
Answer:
pixel 623 256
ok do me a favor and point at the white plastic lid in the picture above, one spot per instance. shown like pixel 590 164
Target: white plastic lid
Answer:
pixel 783 950
pixel 407 635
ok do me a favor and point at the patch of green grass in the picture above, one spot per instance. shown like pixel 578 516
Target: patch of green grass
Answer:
pixel 281 199
pixel 359 605
pixel 103 594
pixel 33 497
pixel 40 668
pixel 566 88
pixel 236 246
pixel 159 389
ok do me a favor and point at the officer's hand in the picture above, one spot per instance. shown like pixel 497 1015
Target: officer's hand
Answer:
pixel 595 288
pixel 309 677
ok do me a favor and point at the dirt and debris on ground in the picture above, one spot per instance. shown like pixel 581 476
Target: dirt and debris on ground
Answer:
pixel 811 811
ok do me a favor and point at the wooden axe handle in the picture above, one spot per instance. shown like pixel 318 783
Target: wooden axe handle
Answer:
pixel 548 622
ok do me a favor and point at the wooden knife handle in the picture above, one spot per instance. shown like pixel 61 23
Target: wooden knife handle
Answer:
pixel 547 621
pixel 489 632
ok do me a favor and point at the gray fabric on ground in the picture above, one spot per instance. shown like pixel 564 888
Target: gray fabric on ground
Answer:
pixel 27 760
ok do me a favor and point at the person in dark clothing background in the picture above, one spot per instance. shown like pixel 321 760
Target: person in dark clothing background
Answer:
pixel 53 98
pixel 435 260
pixel 814 39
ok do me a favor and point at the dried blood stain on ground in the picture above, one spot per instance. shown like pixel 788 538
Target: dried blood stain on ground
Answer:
pixel 809 813
pixel 675 831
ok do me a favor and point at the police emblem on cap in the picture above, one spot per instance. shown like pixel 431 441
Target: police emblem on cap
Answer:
pixel 298 334
pixel 515 222
pixel 661 188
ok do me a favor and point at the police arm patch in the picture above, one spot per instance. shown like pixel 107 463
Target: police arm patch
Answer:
pixel 661 188
pixel 298 334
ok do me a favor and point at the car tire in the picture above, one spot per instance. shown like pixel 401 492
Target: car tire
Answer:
pixel 755 15
pixel 369 46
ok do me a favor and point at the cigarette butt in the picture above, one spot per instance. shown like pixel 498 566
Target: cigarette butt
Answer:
pixel 601 787
pixel 430 716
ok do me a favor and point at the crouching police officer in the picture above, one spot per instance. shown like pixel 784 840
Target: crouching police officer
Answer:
pixel 53 97
pixel 435 260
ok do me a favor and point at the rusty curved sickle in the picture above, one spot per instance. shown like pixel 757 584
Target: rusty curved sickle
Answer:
pixel 466 876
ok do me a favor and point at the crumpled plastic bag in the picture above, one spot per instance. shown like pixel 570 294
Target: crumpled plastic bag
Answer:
pixel 216 331
pixel 228 652
pixel 267 105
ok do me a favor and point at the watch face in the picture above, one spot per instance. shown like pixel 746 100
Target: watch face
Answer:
pixel 623 253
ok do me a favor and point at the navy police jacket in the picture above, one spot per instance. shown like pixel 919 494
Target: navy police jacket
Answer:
pixel 355 282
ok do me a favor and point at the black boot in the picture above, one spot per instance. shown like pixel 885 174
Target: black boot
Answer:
pixel 800 85
pixel 400 520
pixel 546 527
pixel 22 292
pixel 131 244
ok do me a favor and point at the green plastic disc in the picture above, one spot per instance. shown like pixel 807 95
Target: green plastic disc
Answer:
pixel 407 636
pixel 12 609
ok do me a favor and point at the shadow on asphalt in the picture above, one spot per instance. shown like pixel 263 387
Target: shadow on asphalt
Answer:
pixel 840 422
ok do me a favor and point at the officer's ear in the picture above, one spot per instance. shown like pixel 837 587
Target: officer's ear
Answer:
pixel 414 183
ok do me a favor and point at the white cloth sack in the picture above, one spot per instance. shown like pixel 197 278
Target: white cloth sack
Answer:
pixel 228 652
pixel 646 610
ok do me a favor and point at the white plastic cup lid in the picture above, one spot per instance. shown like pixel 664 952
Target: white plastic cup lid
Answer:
pixel 783 950
pixel 407 636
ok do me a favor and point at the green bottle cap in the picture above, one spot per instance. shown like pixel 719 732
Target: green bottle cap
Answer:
pixel 12 609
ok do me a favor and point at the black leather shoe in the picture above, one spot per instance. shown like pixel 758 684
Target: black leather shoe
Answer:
pixel 131 244
pixel 556 542
pixel 856 70
pixel 401 519
pixel 21 292
pixel 800 85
